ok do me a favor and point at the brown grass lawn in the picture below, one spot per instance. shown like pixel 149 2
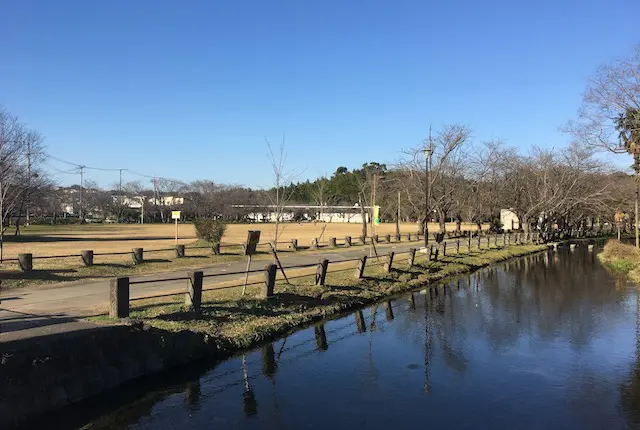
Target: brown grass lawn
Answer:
pixel 105 238
pixel 70 240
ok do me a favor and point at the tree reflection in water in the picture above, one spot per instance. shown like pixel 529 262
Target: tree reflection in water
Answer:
pixel 534 323
pixel 630 390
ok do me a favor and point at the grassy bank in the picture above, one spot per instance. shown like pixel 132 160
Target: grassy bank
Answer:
pixel 234 322
pixel 621 258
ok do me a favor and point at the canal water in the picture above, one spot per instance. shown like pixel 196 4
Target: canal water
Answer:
pixel 547 341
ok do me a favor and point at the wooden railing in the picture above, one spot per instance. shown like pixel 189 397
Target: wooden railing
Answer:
pixel 120 287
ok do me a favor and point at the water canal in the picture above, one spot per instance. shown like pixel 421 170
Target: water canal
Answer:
pixel 546 341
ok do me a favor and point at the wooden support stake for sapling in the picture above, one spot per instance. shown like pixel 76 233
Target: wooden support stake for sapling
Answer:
pixel 246 275
pixel 389 263
pixel 275 255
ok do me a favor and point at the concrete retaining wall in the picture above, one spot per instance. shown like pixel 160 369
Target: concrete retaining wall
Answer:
pixel 40 376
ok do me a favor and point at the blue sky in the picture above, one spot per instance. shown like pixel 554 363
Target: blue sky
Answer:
pixel 190 89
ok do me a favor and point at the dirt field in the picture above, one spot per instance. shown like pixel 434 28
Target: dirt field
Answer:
pixel 105 238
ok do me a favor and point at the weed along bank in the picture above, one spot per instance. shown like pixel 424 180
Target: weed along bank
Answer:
pixel 143 335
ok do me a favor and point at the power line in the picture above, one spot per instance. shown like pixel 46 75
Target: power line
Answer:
pixel 62 161
pixel 102 169
pixel 66 172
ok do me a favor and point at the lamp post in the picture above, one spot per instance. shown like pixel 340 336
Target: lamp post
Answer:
pixel 427 192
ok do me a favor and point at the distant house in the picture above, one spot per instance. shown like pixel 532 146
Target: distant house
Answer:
pixel 509 220
pixel 167 201
pixel 335 214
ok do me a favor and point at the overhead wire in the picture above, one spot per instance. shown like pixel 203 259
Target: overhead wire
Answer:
pixel 102 169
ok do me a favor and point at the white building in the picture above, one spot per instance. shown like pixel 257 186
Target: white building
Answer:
pixel 336 214
pixel 509 220
pixel 167 201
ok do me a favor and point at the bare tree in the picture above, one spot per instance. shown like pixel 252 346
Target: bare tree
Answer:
pixel 446 173
pixel 279 195
pixel 165 190
pixel 16 178
pixel 321 195
pixel 608 118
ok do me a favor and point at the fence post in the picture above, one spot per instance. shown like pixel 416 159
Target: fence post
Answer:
pixel 363 239
pixel 389 264
pixel 321 337
pixel 444 249
pixel 119 298
pixel 87 257
pixel 376 238
pixel 332 242
pixel 398 237
pixel 412 257
pixel 321 272
pixel 215 249
pixel 469 242
pixel 388 310
pixel 270 271
pixel 458 246
pixel 437 250
pixel 294 244
pixel 387 238
pixel 314 243
pixel 408 237
pixel 360 323
pixel 193 298
pixel 179 251
pixel 26 262
pixel 137 255
pixel 361 265
pixel 479 243
pixel 347 241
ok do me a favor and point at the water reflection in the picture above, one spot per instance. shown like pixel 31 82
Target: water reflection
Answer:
pixel 548 341
pixel 248 397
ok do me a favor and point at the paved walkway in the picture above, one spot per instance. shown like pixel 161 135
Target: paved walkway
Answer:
pixel 30 312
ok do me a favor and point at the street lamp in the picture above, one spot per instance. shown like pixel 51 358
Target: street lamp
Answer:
pixel 428 152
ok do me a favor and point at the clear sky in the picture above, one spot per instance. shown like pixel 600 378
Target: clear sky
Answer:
pixel 189 89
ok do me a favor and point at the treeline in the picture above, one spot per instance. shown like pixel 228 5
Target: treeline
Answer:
pixel 470 182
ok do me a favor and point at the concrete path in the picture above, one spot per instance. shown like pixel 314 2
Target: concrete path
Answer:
pixel 37 311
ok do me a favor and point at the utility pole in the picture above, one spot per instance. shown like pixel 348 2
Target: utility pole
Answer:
pixel 80 212
pixel 398 216
pixel 142 210
pixel 120 197
pixel 427 189
pixel 120 185
pixel 28 196
pixel 373 203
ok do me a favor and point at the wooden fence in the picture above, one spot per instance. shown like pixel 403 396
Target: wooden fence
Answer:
pixel 120 287
pixel 88 257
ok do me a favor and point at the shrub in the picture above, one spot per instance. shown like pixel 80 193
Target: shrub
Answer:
pixel 210 230
pixel 620 257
